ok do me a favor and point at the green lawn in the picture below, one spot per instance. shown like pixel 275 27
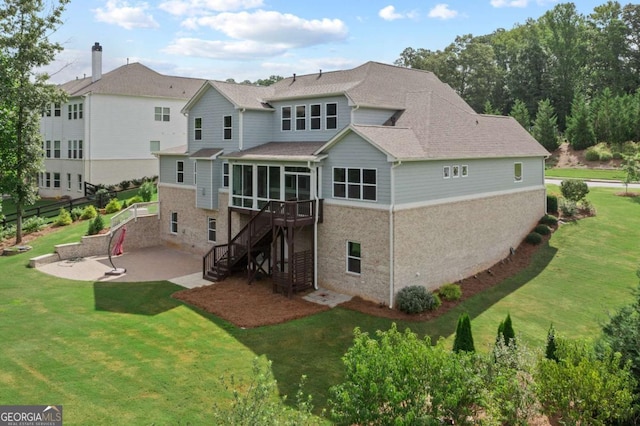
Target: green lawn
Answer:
pixel 604 174
pixel 129 353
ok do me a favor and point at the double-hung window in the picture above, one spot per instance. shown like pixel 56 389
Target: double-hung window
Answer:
pixel 197 126
pixel 286 118
pixel 68 181
pixel 227 127
pixel 180 171
pixel 56 149
pixel 162 114
pixel 47 149
pixel 316 116
pixel 301 117
pixel 56 180
pixel 354 257
pixel 56 109
pixel 331 116
pixel 355 183
pixel 173 224
pixel 225 174
pixel 211 229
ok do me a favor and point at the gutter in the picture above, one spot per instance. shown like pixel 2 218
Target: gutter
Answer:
pixel 392 234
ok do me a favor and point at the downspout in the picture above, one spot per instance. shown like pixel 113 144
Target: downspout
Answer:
pixel 240 129
pixel 392 234
pixel 353 110
pixel 87 169
pixel 315 224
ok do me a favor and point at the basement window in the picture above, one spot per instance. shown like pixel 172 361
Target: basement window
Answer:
pixel 353 257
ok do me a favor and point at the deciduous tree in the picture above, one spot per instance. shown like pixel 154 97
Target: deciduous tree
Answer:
pixel 25 26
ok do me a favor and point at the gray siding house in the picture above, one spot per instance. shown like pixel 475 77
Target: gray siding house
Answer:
pixel 363 181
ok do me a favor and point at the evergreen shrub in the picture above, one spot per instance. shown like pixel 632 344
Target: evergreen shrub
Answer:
pixel 533 238
pixel 450 292
pixel 416 299
pixel 542 229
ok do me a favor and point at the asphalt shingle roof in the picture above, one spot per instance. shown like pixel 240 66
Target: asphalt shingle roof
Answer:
pixel 136 80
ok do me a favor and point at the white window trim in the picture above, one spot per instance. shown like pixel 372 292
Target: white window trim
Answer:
pixel 311 117
pixel 225 128
pixel 209 229
pixel 346 183
pixel 80 186
pixel 347 257
pixel 464 170
pixel 68 181
pixel 172 222
pixel 326 116
pixel 455 171
pixel 195 129
pixel 515 178
pixel 446 172
pixel 195 172
pixel 228 174
pixel 282 119
pixel 179 172
pixel 305 117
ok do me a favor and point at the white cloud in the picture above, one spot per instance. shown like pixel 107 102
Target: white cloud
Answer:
pixel 119 12
pixel 200 7
pixel 442 11
pixel 389 13
pixel 270 27
pixel 509 3
pixel 213 49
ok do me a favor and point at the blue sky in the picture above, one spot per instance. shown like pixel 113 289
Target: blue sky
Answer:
pixel 253 39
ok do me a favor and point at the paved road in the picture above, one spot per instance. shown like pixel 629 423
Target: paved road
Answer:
pixel 598 183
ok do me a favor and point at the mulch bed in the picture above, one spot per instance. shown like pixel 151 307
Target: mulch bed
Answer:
pixel 256 305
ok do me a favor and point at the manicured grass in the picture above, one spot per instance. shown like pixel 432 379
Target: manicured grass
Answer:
pixel 129 353
pixel 603 174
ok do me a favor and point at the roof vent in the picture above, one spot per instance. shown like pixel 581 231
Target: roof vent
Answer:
pixel 320 74
pixel 294 76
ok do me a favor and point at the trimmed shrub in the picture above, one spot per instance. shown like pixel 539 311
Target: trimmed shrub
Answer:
pixel 450 292
pixel 96 225
pixel 76 213
pixel 464 339
pixel 64 218
pixel 146 191
pixel 568 208
pixel 551 347
pixel 552 203
pixel 8 232
pixel 89 212
pixel 416 299
pixel 574 189
pixel 542 229
pixel 33 224
pixel 533 238
pixel 549 220
pixel 125 184
pixel 113 206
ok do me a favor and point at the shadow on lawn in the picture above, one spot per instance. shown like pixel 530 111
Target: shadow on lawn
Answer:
pixel 313 346
pixel 143 298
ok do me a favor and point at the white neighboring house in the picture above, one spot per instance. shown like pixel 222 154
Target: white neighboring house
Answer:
pixel 110 126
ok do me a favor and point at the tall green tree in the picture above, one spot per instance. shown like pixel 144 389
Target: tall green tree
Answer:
pixel 608 49
pixel 579 125
pixel 464 339
pixel 545 128
pixel 25 26
pixel 631 19
pixel 565 40
pixel 521 114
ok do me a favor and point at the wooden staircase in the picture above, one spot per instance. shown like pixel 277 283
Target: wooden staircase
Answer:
pixel 251 241
pixel 257 243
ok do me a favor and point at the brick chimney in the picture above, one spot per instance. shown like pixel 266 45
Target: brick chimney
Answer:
pixel 96 62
